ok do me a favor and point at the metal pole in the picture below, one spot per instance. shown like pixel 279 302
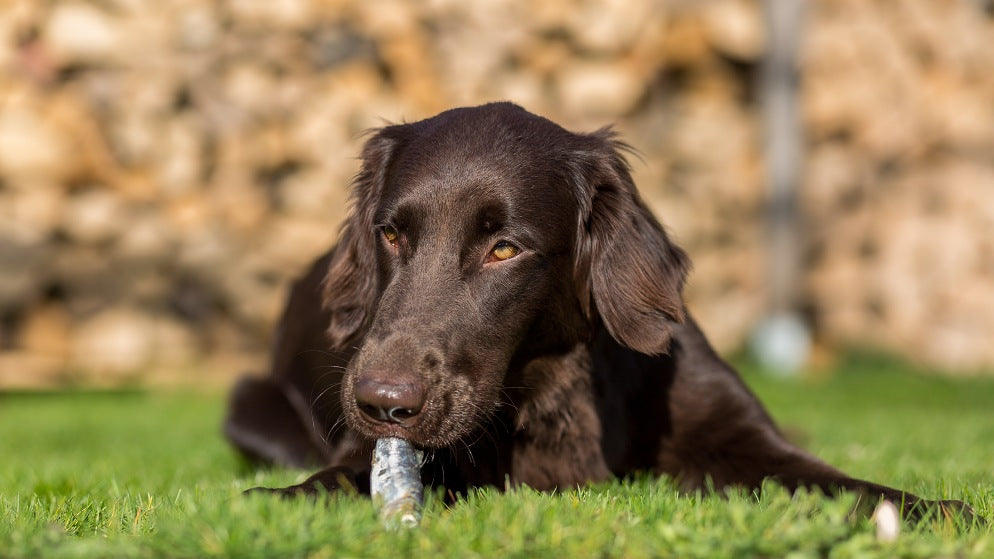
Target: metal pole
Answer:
pixel 782 340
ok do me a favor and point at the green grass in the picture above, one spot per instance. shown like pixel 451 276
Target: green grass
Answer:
pixel 147 474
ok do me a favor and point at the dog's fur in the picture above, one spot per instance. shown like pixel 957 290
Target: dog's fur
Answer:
pixel 573 361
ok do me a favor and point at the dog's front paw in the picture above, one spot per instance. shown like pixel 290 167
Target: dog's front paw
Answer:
pixel 950 510
pixel 326 481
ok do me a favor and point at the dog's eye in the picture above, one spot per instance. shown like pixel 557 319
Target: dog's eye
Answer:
pixel 503 251
pixel 390 234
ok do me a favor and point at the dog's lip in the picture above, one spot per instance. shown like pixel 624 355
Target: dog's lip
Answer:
pixel 418 436
pixel 377 430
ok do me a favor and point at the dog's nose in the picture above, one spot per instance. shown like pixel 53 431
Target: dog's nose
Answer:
pixel 397 402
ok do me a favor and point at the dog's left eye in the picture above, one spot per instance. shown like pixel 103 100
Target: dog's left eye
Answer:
pixel 390 234
pixel 503 251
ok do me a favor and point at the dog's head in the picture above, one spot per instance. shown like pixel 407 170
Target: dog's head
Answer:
pixel 479 239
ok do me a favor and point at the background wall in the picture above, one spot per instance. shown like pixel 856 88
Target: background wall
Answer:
pixel 167 166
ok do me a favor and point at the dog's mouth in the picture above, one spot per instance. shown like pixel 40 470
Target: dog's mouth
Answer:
pixel 417 391
pixel 426 433
pixel 444 418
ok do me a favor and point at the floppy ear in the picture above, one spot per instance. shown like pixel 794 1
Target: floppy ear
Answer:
pixel 352 283
pixel 627 271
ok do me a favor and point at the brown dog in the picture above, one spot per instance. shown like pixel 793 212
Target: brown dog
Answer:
pixel 502 298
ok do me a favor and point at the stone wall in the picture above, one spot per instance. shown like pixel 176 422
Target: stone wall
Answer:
pixel 166 167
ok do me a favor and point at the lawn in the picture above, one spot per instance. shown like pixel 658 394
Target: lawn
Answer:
pixel 147 474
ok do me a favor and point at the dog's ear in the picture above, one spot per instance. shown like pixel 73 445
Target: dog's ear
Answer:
pixel 627 271
pixel 352 284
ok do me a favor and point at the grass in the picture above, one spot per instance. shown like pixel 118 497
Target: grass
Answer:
pixel 147 474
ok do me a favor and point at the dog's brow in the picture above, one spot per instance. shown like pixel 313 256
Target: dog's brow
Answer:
pixel 490 217
pixel 402 214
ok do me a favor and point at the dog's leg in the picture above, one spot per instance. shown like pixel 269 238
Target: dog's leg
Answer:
pixel 774 457
pixel 723 436
pixel 799 469
pixel 265 427
pixel 746 453
pixel 328 480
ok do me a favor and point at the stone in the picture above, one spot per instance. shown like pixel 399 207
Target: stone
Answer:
pixel 94 216
pixel 46 331
pixel 82 32
pixel 598 88
pixel 735 27
pixel 114 344
pixel 32 147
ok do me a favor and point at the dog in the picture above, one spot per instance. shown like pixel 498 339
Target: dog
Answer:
pixel 501 297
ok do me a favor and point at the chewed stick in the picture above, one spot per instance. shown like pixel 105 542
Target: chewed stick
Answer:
pixel 395 482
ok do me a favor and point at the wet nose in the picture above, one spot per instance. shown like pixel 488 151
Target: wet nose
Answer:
pixel 390 401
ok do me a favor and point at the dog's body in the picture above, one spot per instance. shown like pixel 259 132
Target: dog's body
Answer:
pixel 502 298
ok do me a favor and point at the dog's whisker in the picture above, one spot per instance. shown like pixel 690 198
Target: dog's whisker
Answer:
pixel 338 424
pixel 333 386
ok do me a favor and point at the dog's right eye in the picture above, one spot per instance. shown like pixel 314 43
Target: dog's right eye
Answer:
pixel 390 234
pixel 503 251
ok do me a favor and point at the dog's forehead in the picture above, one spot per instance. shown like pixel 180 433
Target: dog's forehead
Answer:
pixel 476 161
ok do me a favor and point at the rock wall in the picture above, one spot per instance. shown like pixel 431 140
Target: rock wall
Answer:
pixel 166 167
pixel 899 188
